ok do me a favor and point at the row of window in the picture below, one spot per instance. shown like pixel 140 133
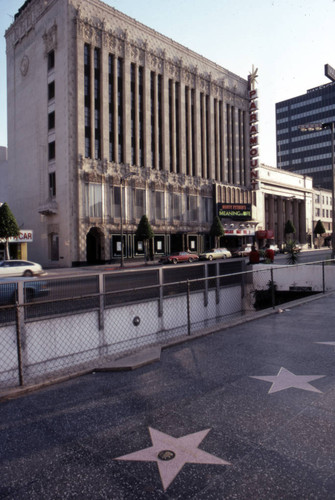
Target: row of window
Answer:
pixel 323 213
pixel 195 208
pixel 229 131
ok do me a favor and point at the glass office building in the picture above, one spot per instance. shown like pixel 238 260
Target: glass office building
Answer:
pixel 306 152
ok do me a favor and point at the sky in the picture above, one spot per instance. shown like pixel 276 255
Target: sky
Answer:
pixel 289 41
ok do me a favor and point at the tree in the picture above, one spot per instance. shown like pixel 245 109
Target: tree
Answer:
pixel 217 230
pixel 319 230
pixel 144 233
pixel 8 226
pixel 289 228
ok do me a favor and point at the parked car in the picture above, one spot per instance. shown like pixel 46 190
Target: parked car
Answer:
pixel 176 257
pixel 20 268
pixel 32 290
pixel 215 253
pixel 297 248
pixel 275 248
pixel 243 251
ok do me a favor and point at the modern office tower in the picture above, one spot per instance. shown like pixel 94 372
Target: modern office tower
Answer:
pixel 307 152
pixel 109 120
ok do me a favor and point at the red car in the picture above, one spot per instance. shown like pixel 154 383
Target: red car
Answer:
pixel 176 257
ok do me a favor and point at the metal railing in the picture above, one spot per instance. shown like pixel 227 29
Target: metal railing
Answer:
pixel 60 326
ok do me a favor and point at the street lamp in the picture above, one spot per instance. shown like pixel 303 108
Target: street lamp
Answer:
pixel 315 127
pixel 129 174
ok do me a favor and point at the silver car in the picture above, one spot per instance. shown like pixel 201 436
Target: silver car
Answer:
pixel 215 253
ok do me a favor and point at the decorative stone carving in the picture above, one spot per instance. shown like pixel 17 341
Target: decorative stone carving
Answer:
pixel 50 39
pixel 24 65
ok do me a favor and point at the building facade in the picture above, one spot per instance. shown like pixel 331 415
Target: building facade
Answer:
pixel 283 196
pixel 307 153
pixel 107 121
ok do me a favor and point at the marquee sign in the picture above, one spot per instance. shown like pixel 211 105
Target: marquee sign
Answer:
pixel 234 211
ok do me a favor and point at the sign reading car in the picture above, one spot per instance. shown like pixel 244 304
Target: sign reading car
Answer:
pixel 237 211
pixel 25 236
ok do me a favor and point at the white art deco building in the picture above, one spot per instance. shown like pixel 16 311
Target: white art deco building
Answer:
pixel 99 103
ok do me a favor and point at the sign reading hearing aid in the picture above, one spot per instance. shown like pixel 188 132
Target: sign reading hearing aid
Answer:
pixel 234 211
pixel 253 131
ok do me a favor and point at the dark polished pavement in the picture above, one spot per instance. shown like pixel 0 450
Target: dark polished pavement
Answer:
pixel 246 413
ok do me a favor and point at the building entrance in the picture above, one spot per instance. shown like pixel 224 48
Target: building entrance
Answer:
pixel 94 246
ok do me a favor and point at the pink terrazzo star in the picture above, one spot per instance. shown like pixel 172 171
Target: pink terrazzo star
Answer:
pixel 171 454
pixel 286 379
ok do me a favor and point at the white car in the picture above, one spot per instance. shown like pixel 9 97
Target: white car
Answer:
pixel 215 253
pixel 20 268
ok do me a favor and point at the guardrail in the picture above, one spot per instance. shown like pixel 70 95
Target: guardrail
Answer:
pixel 85 322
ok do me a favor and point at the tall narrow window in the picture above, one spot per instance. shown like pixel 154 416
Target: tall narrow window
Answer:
pixel 139 203
pixel 177 109
pixel 133 113
pixel 51 90
pixel 187 143
pixel 52 184
pixel 97 126
pixel 202 135
pixel 171 124
pixel 193 139
pixel 95 200
pixel 51 150
pixel 51 60
pixel 116 202
pixel 51 120
pixel 152 118
pixel 160 122
pixel 87 100
pixel 207 136
pixel 111 107
pixel 141 115
pixel 120 107
pixel 159 205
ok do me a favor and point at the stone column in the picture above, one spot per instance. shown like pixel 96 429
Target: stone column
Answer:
pixel 280 219
pixel 296 218
pixel 302 222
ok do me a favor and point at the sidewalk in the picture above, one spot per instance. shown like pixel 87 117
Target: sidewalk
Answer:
pixel 246 413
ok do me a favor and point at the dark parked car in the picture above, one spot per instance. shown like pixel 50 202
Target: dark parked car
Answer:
pixel 32 290
pixel 176 257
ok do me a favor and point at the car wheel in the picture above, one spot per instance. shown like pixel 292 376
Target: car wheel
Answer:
pixel 210 257
pixel 27 273
pixel 174 261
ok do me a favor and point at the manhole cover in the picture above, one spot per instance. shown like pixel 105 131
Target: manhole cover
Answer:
pixel 166 455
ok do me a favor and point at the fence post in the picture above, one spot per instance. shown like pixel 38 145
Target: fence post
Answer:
pixel 188 309
pixel 18 343
pixel 323 277
pixel 273 298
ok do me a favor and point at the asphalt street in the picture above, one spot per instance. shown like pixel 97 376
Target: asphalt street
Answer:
pixel 246 413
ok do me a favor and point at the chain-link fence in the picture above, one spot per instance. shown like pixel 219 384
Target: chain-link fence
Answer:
pixel 57 326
